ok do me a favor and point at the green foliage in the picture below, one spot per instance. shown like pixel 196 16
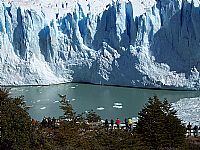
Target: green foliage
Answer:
pixel 15 122
pixel 92 116
pixel 159 126
pixel 69 113
pixel 42 138
pixel 117 139
pixel 75 133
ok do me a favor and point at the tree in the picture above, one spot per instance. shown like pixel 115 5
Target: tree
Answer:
pixel 158 125
pixel 15 122
pixel 92 116
pixel 69 113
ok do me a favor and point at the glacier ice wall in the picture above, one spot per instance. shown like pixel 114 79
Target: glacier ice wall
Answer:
pixel 129 43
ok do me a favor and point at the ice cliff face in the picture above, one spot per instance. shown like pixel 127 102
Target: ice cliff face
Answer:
pixel 132 43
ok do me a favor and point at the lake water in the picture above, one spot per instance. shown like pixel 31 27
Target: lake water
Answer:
pixel 108 101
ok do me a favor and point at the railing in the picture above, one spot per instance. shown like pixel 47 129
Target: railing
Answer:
pixel 95 125
pixel 193 132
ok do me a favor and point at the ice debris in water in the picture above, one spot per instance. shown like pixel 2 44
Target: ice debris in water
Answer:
pixel 117 105
pixel 100 108
pixel 43 108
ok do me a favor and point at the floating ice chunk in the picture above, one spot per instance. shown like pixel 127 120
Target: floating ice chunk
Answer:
pixel 12 89
pixel 118 107
pixel 117 104
pixel 38 101
pixel 43 108
pixel 56 102
pixel 29 106
pixel 73 99
pixel 73 87
pixel 100 108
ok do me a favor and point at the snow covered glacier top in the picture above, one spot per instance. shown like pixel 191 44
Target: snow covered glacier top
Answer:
pixel 140 43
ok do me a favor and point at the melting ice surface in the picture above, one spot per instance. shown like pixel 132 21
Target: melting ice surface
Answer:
pixel 86 97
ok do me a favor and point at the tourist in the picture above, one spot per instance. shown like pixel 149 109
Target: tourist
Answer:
pixel 112 123
pixel 126 123
pixel 44 122
pixel 195 131
pixel 49 122
pixel 33 122
pixel 106 124
pixel 117 122
pixel 189 127
pixel 53 122
pixel 130 122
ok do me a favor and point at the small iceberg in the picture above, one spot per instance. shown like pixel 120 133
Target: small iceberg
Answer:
pixel 73 87
pixel 43 108
pixel 117 104
pixel 29 106
pixel 56 102
pixel 100 108
pixel 38 101
pixel 119 107
pixel 73 99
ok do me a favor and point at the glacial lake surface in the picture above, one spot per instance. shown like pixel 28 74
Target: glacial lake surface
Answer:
pixel 108 101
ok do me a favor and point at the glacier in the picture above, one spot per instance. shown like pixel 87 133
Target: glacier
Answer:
pixel 138 43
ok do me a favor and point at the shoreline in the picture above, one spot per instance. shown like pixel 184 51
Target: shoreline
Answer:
pixel 106 85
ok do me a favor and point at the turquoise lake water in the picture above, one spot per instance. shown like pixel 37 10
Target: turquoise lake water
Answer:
pixel 108 101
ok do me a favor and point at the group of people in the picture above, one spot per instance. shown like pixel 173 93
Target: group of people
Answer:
pixel 128 123
pixel 48 122
pixel 195 130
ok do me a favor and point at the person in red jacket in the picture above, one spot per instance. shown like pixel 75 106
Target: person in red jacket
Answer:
pixel 117 122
